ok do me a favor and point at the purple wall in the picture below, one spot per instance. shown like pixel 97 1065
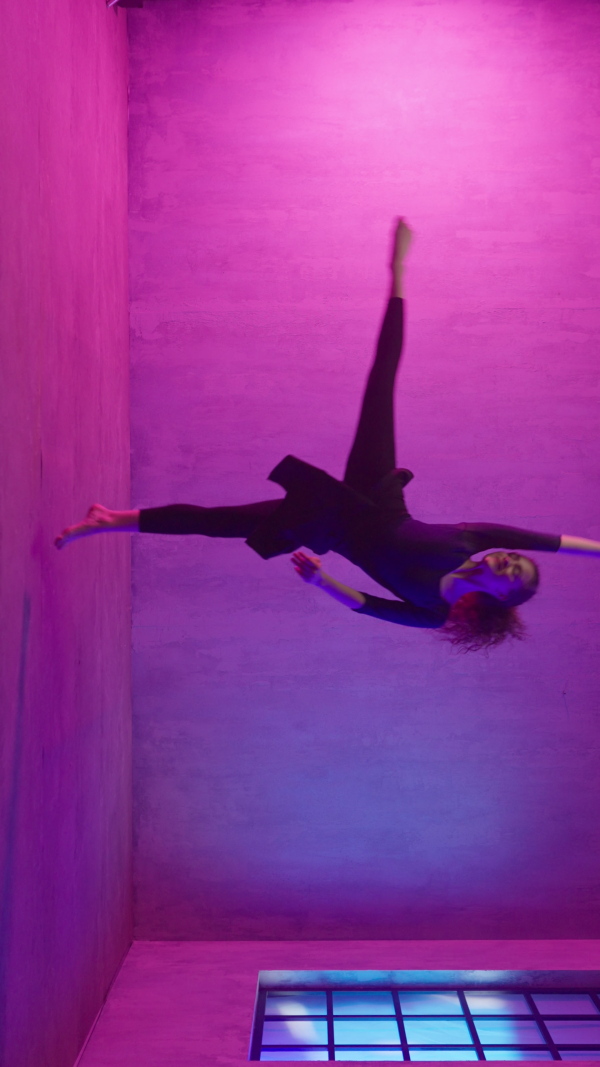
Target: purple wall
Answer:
pixel 302 771
pixel 65 682
pixel 192 1004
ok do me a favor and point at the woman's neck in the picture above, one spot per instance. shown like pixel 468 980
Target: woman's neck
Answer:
pixel 460 581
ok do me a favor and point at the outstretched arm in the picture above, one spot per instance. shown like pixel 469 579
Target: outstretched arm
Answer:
pixel 398 611
pixel 310 570
pixel 580 546
pixel 489 535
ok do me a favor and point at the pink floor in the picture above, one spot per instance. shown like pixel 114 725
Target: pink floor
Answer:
pixel 190 1004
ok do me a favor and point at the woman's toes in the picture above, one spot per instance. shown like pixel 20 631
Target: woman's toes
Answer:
pixel 66 536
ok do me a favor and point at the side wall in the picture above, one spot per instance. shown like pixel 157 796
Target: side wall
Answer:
pixel 65 902
pixel 303 771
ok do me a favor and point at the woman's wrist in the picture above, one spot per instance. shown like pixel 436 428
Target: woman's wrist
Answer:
pixel 347 596
pixel 579 545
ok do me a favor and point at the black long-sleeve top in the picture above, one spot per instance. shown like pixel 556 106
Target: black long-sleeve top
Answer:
pixel 411 558
pixel 405 556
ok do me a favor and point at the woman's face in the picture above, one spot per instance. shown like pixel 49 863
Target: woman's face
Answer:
pixel 507 572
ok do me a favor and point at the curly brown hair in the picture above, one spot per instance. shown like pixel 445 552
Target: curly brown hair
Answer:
pixel 478 620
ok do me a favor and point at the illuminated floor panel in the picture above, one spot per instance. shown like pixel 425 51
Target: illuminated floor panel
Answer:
pixel 396 1024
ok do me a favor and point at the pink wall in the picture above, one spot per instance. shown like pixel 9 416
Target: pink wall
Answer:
pixel 65 914
pixel 192 1004
pixel 301 771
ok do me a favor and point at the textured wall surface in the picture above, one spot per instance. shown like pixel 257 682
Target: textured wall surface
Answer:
pixel 302 771
pixel 65 905
pixel 192 1004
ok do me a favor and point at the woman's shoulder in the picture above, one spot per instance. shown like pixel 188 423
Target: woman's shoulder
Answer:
pixel 485 535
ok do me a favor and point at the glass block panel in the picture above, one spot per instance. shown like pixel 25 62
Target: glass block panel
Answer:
pixel 295 1032
pixel 565 1004
pixel 437 1032
pixel 497 1003
pixel 442 1054
pixel 579 1055
pixel 572 1032
pixel 363 1004
pixel 508 1032
pixel 370 1054
pixel 516 1054
pixel 366 1032
pixel 300 1003
pixel 430 1004
pixel 296 1054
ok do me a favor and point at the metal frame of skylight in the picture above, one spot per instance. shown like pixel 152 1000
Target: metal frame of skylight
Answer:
pixel 526 983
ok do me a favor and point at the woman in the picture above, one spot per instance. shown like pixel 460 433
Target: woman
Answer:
pixel 430 568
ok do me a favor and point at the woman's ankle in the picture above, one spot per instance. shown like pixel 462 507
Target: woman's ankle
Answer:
pixel 398 280
pixel 124 520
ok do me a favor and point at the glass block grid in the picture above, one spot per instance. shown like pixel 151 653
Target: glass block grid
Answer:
pixel 426 1024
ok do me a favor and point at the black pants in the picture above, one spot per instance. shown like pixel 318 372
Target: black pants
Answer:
pixel 372 455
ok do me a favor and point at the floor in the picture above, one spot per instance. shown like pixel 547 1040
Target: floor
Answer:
pixel 191 1003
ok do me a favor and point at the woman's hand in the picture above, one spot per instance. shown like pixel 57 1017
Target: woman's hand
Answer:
pixel 579 545
pixel 308 567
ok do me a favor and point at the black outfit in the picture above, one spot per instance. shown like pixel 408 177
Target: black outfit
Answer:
pixel 363 518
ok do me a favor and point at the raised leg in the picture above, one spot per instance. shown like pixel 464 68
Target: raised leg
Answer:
pixel 373 452
pixel 236 521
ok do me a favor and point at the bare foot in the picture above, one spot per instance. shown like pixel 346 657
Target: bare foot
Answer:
pixel 97 520
pixel 402 241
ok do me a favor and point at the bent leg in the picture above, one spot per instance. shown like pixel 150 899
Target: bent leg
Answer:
pixel 236 521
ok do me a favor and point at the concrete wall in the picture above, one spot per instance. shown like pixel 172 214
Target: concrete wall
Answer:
pixel 192 1004
pixel 65 915
pixel 302 771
